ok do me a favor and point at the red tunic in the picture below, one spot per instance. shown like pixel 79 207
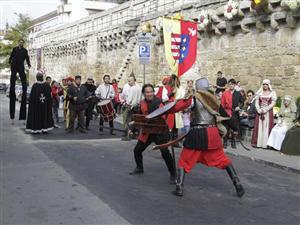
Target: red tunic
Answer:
pixel 143 137
pixel 226 102
pixel 212 156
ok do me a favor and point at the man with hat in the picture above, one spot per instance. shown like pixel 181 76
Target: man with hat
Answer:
pixel 78 96
pixel 203 143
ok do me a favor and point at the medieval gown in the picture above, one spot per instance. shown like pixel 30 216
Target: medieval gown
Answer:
pixel 263 122
pixel 40 109
pixel 285 122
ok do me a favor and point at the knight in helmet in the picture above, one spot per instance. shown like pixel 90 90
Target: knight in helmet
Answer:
pixel 203 143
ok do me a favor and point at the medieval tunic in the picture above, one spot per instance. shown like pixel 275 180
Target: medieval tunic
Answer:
pixel 145 139
pixel 40 109
pixel 203 144
pixel 264 121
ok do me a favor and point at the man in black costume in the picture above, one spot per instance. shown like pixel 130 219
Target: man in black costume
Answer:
pixel 78 96
pixel 40 108
pixel 91 102
pixel 16 60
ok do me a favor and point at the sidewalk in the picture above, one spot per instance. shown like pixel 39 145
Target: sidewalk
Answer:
pixel 268 157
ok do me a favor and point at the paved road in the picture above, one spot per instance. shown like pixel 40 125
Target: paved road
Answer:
pixel 83 179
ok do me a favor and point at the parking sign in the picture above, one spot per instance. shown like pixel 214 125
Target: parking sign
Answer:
pixel 144 48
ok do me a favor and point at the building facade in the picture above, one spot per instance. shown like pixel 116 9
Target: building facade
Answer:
pixel 249 47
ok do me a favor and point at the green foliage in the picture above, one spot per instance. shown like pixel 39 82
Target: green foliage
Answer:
pixel 298 101
pixel 278 102
pixel 12 36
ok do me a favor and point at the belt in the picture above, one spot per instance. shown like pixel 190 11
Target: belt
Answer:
pixel 203 125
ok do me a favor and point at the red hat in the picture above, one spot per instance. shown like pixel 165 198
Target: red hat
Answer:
pixel 166 80
pixel 69 79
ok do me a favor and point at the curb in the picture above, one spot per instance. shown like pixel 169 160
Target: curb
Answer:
pixel 268 163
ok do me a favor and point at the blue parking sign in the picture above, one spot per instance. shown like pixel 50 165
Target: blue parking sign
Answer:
pixel 144 53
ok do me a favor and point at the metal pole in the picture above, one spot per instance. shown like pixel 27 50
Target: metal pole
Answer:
pixel 144 65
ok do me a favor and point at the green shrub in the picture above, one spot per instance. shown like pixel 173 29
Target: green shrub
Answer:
pixel 278 102
pixel 298 101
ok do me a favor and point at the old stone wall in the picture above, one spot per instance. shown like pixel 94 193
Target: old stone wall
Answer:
pixel 243 49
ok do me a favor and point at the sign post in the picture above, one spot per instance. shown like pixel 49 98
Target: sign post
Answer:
pixel 144 50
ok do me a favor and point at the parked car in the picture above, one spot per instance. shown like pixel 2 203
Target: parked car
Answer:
pixel 3 87
pixel 18 89
pixel 19 96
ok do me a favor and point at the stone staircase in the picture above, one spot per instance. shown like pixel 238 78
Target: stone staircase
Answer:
pixel 130 54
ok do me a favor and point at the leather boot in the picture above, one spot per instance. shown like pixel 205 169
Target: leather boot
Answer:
pixel 233 143
pixel 225 142
pixel 179 183
pixel 235 180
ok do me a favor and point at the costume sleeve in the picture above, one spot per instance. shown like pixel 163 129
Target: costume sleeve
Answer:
pixel 181 105
pixel 11 56
pixel 223 101
pixel 241 101
pixel 98 92
pixel 274 98
pixel 252 111
pixel 70 93
pixel 258 109
pixel 32 95
pixel 112 93
pixel 27 59
pixel 165 97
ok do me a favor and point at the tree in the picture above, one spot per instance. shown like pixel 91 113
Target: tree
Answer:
pixel 12 36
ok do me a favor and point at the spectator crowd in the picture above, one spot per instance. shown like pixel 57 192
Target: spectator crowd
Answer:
pixel 274 121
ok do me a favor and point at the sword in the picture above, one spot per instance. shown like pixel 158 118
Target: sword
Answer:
pixel 170 143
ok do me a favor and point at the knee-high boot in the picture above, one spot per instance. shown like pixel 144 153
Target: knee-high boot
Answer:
pixel 235 180
pixel 179 183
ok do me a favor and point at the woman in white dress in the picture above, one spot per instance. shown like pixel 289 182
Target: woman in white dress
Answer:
pixel 264 102
pixel 287 115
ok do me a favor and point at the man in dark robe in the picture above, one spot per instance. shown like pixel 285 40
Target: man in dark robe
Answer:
pixel 16 60
pixel 40 109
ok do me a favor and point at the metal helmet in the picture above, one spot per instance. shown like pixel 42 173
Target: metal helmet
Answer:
pixel 202 84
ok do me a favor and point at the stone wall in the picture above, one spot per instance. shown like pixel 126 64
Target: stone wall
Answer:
pixel 249 55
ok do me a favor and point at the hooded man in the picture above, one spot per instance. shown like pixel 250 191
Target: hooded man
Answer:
pixel 40 107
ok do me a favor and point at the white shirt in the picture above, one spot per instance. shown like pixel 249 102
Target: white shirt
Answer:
pixel 105 91
pixel 133 95
pixel 124 92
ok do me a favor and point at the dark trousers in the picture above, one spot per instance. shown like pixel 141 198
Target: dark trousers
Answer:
pixel 101 122
pixel 165 153
pixel 12 93
pixel 55 114
pixel 88 115
pixel 80 116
